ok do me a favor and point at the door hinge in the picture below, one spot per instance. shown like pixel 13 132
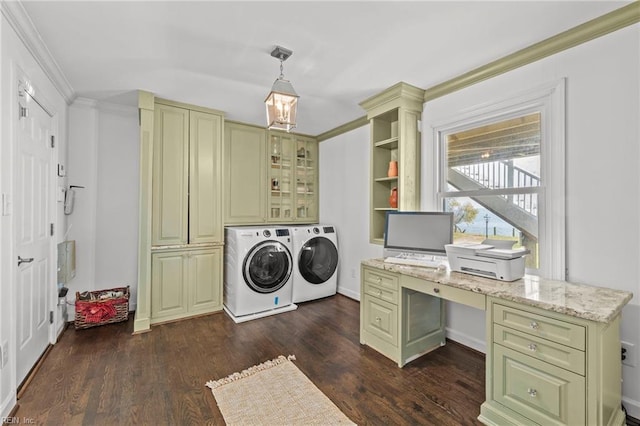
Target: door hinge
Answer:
pixel 51 229
pixel 53 141
pixel 23 112
pixel 50 317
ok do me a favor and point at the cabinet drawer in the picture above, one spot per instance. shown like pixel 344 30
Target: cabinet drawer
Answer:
pixel 381 319
pixel 545 350
pixel 548 328
pixel 380 292
pixel 466 297
pixel 381 279
pixel 546 394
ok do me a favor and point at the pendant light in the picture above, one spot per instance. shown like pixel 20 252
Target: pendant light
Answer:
pixel 282 102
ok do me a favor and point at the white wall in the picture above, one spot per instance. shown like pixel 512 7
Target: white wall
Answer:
pixel 15 61
pixel 602 169
pixel 104 157
pixel 602 178
pixel 344 202
pixel 116 244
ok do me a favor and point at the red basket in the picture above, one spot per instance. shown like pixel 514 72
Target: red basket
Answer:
pixel 100 307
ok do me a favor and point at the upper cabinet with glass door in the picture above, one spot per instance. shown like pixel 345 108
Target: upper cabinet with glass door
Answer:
pixel 306 174
pixel 292 178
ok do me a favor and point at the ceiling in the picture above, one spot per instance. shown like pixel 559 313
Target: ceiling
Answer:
pixel 217 54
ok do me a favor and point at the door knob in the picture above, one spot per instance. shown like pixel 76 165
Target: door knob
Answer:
pixel 22 260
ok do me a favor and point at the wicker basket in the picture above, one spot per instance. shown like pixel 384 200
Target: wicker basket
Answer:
pixel 102 307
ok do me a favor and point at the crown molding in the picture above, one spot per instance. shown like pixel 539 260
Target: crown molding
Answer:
pixel 23 26
pixel 347 127
pixel 602 25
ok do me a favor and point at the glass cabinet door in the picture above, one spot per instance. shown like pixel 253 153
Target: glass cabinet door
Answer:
pixel 280 180
pixel 306 179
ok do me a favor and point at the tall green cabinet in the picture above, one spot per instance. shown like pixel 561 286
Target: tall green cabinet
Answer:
pixel 181 228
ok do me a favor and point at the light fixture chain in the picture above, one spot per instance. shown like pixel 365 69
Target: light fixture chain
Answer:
pixel 281 68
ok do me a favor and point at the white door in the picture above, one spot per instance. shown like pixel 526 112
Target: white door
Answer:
pixel 32 195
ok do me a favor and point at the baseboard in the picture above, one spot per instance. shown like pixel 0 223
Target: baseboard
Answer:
pixel 465 339
pixel 9 406
pixel 355 295
pixel 632 407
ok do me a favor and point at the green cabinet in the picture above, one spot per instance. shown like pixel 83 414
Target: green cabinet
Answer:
pixel 244 174
pixel 197 270
pixel 293 178
pixel 187 208
pixel 270 176
pixel 397 321
pixel 379 313
pixel 545 368
pixel 180 264
pixel 394 117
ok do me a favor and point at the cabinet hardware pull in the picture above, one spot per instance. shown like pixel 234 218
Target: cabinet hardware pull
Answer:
pixel 533 347
pixel 534 325
pixel 378 319
pixel 379 280
pixel 379 293
pixel 436 290
pixel 532 392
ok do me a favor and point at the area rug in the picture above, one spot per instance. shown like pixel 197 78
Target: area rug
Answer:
pixel 275 392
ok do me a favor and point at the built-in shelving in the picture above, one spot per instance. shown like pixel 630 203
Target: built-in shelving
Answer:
pixel 393 116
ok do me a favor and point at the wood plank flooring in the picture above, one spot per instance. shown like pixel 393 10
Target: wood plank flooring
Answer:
pixel 106 376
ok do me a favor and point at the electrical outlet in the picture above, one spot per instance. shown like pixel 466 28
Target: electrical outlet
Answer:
pixel 4 353
pixel 629 354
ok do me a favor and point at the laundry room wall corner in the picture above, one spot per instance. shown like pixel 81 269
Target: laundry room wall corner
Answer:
pixel 344 202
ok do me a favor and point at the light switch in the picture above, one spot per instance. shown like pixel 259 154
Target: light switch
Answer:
pixel 61 193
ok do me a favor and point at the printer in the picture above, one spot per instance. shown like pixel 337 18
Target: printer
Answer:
pixel 491 259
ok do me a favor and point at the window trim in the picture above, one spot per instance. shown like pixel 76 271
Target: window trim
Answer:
pixel 549 99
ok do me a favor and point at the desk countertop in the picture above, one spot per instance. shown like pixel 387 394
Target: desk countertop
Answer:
pixel 592 303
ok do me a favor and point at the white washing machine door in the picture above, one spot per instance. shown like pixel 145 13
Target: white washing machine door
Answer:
pixel 318 260
pixel 267 267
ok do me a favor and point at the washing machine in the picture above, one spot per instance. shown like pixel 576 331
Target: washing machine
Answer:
pixel 315 251
pixel 258 272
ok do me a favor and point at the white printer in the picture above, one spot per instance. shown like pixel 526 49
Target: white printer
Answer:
pixel 492 259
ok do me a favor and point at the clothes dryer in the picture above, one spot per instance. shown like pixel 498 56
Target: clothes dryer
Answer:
pixel 258 273
pixel 315 274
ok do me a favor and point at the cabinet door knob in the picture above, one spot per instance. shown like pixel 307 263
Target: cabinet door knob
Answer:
pixel 378 319
pixel 534 325
pixel 379 293
pixel 532 392
pixel 436 290
pixel 379 280
pixel 533 347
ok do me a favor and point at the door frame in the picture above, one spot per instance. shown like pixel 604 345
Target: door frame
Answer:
pixel 22 86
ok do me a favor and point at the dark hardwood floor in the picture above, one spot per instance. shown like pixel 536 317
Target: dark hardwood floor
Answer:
pixel 106 376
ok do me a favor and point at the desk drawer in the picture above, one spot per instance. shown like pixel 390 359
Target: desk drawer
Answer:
pixel 543 393
pixel 466 297
pixel 380 292
pixel 537 325
pixel 380 278
pixel 381 319
pixel 563 356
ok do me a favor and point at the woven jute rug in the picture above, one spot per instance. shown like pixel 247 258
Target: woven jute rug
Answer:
pixel 275 392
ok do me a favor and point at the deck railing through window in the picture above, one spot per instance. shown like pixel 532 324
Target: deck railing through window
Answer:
pixel 503 174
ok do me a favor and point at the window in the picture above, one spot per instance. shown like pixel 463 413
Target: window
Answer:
pixel 501 172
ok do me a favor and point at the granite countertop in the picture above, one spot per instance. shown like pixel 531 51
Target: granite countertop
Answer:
pixel 592 303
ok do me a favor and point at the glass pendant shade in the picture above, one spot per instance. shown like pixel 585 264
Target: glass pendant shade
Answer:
pixel 282 106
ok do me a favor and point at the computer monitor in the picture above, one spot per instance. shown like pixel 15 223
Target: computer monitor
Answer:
pixel 420 233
